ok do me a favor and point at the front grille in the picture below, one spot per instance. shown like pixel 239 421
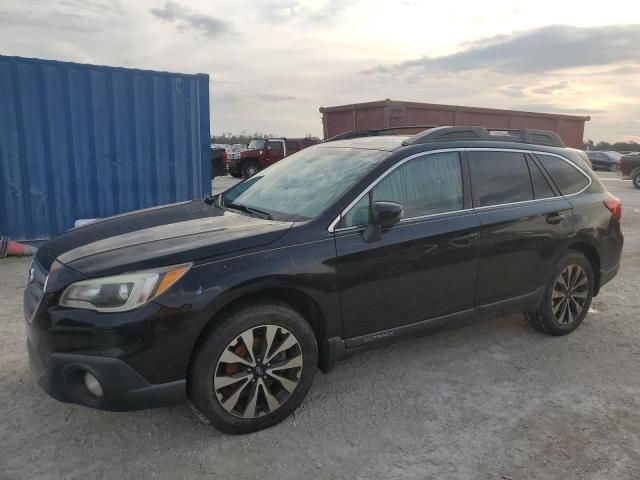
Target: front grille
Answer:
pixel 34 290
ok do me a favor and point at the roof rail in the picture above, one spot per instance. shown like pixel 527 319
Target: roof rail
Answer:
pixel 374 132
pixel 525 135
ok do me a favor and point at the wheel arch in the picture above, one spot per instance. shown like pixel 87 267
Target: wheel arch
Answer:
pixel 244 161
pixel 298 300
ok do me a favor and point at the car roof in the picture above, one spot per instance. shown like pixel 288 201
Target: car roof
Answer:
pixel 386 143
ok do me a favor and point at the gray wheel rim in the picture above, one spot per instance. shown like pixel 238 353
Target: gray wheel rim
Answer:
pixel 258 371
pixel 636 181
pixel 251 171
pixel 570 293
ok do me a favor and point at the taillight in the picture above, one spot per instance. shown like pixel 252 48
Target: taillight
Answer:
pixel 225 157
pixel 614 205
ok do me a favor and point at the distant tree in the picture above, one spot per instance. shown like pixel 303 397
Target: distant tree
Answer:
pixel 616 146
pixel 244 138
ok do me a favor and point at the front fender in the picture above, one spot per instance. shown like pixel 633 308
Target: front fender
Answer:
pixel 211 286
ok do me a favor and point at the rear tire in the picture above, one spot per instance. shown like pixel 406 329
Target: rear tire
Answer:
pixel 567 296
pixel 614 167
pixel 241 389
pixel 250 168
pixel 636 180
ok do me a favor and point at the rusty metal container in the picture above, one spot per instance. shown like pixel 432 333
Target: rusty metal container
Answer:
pixel 391 113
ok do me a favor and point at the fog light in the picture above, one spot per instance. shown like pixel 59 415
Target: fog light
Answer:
pixel 93 385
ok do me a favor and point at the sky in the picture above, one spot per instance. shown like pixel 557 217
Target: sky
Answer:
pixel 273 63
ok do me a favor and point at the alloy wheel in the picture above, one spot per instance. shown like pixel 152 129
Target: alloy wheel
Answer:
pixel 251 171
pixel 570 294
pixel 258 371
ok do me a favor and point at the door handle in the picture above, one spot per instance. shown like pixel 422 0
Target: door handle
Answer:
pixel 464 240
pixel 555 218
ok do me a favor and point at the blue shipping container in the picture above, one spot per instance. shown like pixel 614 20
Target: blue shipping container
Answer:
pixel 86 141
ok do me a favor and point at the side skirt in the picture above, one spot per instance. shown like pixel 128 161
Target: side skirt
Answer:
pixel 337 348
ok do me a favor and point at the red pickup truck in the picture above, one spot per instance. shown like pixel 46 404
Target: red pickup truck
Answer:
pixel 263 152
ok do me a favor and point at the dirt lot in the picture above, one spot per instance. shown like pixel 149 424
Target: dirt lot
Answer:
pixel 492 401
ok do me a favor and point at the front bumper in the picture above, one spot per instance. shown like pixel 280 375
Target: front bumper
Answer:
pixel 234 165
pixel 140 357
pixel 61 376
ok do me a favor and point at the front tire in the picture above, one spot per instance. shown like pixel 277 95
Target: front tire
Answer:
pixel 636 180
pixel 567 296
pixel 250 168
pixel 254 369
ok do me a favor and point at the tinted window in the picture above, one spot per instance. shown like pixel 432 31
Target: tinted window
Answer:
pixel 541 188
pixel 499 177
pixel 423 186
pixel 567 177
pixel 275 146
pixel 292 147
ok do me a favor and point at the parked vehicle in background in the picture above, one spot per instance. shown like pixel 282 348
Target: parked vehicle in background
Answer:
pixel 585 158
pixel 236 300
pixel 218 161
pixel 609 161
pixel 630 168
pixel 263 152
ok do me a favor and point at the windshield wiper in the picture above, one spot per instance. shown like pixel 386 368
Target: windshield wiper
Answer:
pixel 250 210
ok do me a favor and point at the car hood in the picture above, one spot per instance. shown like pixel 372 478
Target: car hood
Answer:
pixel 158 236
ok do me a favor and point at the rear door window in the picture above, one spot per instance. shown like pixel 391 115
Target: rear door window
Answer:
pixel 541 187
pixel 499 177
pixel 566 176
pixel 292 147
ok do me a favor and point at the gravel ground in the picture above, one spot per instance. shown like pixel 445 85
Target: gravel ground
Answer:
pixel 494 400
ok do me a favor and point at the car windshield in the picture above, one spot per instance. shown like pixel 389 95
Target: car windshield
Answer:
pixel 256 145
pixel 303 185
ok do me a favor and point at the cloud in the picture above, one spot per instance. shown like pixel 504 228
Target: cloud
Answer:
pixel 539 50
pixel 551 89
pixel 277 98
pixel 96 6
pixel 280 10
pixel 330 10
pixel 288 10
pixel 185 18
pixel 53 20
pixel 516 91
pixel 551 108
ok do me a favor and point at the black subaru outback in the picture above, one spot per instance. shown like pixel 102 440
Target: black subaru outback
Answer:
pixel 233 302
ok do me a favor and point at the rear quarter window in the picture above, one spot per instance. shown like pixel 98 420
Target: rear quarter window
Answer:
pixel 566 176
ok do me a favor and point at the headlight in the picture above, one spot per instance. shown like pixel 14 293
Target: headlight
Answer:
pixel 122 292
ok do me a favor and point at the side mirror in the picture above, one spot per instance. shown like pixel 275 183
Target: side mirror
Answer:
pixel 384 215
